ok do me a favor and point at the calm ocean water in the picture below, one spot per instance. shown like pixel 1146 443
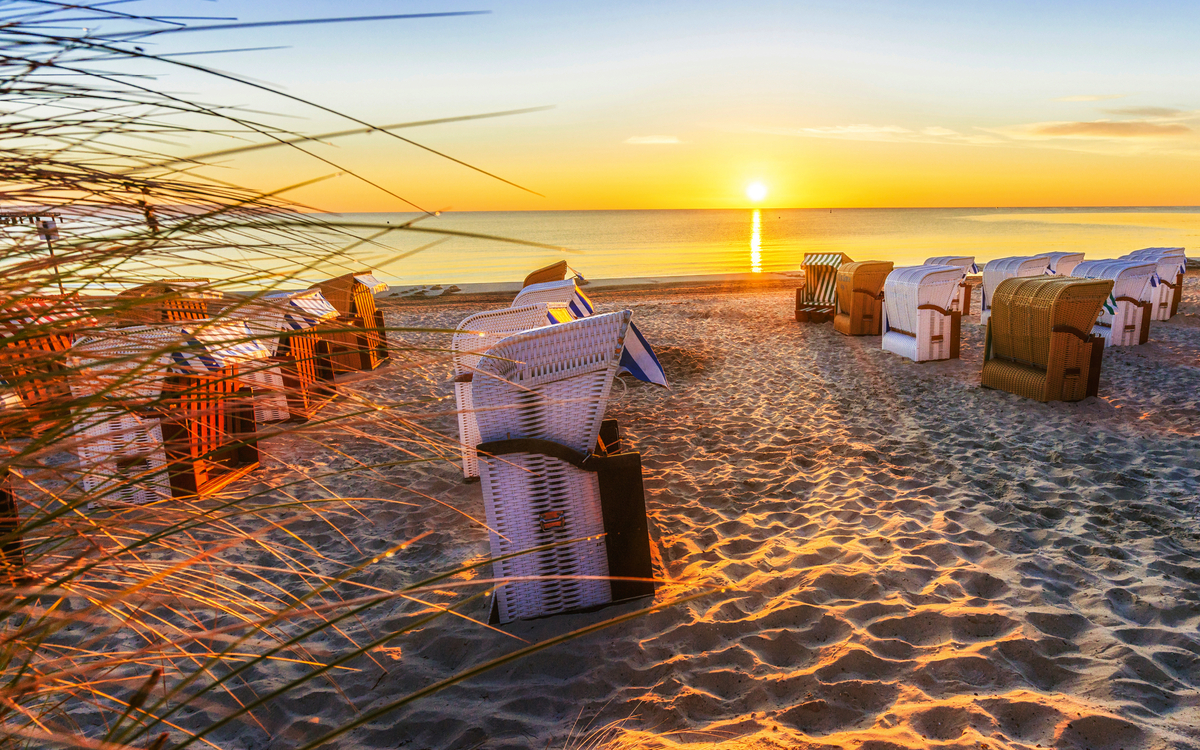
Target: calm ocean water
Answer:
pixel 630 244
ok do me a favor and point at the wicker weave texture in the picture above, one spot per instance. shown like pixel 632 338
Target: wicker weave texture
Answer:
pixel 859 297
pixel 1123 318
pixel 962 294
pixel 557 294
pixel 1171 263
pixel 475 335
pixel 1000 269
pixel 920 334
pixel 551 383
pixel 121 457
pixel 1024 355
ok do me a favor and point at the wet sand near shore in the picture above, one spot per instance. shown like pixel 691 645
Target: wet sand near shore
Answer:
pixel 907 560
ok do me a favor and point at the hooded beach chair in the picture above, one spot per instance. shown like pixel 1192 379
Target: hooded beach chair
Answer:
pixel 362 345
pixel 475 335
pixel 1125 316
pixel 962 299
pixel 1039 343
pixel 919 321
pixel 1171 268
pixel 1007 268
pixel 540 398
pixel 296 364
pixel 860 297
pixel 167 300
pixel 557 294
pixel 816 301
pixel 553 272
pixel 117 386
pixel 187 376
pixel 1061 263
pixel 35 335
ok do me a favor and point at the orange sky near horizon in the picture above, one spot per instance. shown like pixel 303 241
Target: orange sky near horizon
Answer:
pixel 682 105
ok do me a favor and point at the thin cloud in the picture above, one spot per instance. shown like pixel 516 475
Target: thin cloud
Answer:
pixel 1110 129
pixel 653 140
pixel 1147 111
pixel 881 133
pixel 1090 97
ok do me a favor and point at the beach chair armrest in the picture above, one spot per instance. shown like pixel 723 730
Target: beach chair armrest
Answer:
pixel 1132 301
pixel 869 293
pixel 1084 337
pixel 935 308
pixel 590 462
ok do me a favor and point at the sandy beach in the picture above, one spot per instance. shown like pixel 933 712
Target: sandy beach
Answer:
pixel 905 560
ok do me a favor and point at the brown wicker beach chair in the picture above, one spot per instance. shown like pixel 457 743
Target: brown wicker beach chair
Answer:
pixel 362 343
pixel 553 272
pixel 166 301
pixel 35 335
pixel 1039 341
pixel 816 301
pixel 12 548
pixel 860 297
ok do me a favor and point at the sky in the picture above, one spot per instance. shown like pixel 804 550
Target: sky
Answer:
pixel 684 104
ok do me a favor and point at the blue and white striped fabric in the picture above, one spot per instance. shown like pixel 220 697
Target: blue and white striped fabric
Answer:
pixel 637 359
pixel 580 305
pixel 215 347
pixel 1155 280
pixel 974 267
pixel 305 309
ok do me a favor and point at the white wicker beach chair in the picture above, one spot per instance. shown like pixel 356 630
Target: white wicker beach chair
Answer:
pixel 1171 268
pixel 557 294
pixel 543 394
pixel 1125 316
pixel 962 298
pixel 918 319
pixel 475 335
pixel 1062 263
pixel 122 458
pixel 1006 268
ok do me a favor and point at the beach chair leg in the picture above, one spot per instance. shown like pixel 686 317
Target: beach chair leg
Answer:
pixel 955 333
pixel 12 549
pixel 1097 358
pixel 627 532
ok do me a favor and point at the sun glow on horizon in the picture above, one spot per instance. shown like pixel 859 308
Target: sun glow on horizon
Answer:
pixel 756 192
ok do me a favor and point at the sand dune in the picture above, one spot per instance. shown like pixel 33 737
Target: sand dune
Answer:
pixel 912 561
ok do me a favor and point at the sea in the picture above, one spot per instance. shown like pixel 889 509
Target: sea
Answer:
pixel 665 244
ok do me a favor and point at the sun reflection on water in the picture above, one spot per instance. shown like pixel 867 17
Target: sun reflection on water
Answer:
pixel 756 241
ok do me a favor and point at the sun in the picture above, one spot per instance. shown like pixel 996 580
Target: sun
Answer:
pixel 756 191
